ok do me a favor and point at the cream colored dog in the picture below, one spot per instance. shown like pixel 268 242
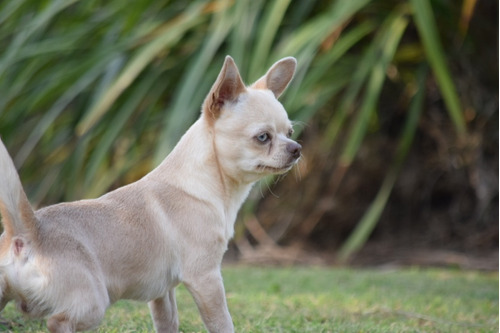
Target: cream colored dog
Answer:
pixel 70 261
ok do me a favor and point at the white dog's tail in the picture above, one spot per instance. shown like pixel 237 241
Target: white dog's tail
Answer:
pixel 17 215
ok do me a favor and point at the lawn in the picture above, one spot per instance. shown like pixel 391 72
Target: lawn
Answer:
pixel 326 300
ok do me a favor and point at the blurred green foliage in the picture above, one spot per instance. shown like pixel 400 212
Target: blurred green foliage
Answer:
pixel 93 94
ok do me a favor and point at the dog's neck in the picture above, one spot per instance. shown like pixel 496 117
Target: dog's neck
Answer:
pixel 193 167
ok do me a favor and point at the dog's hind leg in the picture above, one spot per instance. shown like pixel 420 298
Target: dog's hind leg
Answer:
pixel 87 316
pixel 208 293
pixel 60 324
pixel 164 313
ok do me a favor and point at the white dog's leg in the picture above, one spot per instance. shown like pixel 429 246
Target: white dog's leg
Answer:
pixel 60 324
pixel 208 293
pixel 164 313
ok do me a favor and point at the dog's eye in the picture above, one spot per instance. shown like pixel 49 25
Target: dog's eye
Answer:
pixel 290 132
pixel 264 137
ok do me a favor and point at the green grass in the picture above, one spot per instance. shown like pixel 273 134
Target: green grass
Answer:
pixel 328 300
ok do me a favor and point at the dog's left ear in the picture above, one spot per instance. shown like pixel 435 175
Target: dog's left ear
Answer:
pixel 278 76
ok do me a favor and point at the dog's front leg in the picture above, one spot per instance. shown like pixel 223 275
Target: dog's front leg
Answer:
pixel 164 313
pixel 208 293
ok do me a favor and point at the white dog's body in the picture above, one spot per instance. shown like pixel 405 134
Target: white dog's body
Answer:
pixel 70 261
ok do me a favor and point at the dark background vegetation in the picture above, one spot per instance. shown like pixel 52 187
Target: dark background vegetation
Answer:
pixel 396 105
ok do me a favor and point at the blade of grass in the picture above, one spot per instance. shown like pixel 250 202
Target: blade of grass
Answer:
pixel 375 62
pixel 243 32
pixel 365 67
pixel 122 162
pixel 109 136
pixel 19 84
pixel 364 228
pixel 72 169
pixel 319 99
pixel 426 26
pixel 314 74
pixel 34 26
pixel 391 40
pixel 49 117
pixel 318 29
pixel 172 33
pixel 305 44
pixel 8 9
pixel 267 33
pixel 468 7
pixel 344 43
pixel 185 107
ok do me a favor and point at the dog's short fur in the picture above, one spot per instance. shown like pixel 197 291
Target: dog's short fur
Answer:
pixel 70 261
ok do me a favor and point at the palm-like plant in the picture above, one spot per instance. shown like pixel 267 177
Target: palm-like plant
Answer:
pixel 96 93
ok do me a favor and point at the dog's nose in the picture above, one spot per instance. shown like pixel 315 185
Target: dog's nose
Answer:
pixel 294 149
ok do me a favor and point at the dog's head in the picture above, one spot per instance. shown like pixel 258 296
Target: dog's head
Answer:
pixel 252 132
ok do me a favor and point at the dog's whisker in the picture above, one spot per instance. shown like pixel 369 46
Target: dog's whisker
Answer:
pixel 297 171
pixel 260 189
pixel 271 191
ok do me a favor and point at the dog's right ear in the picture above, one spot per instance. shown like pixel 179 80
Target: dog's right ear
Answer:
pixel 226 89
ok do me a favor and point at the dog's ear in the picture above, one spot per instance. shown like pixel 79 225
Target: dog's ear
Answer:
pixel 226 89
pixel 278 76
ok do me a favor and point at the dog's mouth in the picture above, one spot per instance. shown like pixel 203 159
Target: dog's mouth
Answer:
pixel 275 170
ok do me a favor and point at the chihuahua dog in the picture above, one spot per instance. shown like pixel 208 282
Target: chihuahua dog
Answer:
pixel 68 262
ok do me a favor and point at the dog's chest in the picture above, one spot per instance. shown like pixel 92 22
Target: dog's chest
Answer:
pixel 231 210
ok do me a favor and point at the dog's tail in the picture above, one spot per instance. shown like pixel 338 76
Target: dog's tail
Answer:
pixel 18 217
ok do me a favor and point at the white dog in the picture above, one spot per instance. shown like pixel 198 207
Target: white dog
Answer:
pixel 68 262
